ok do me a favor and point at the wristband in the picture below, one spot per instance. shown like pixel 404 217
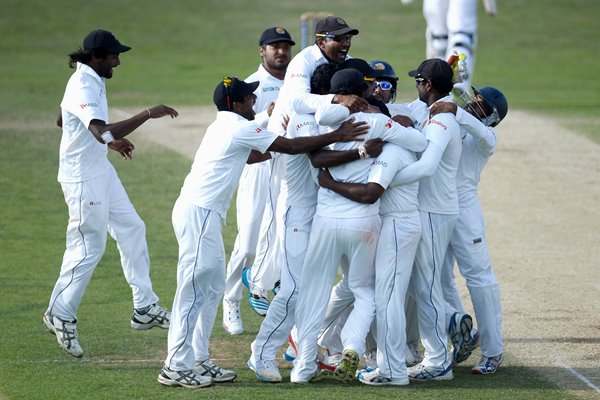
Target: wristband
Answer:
pixel 107 137
pixel 147 109
pixel 362 152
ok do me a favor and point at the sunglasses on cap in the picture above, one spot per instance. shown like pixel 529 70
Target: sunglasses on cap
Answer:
pixel 384 85
pixel 336 38
pixel 420 80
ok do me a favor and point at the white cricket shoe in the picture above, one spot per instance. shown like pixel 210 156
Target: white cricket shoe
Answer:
pixel 155 316
pixel 188 379
pixel 371 361
pixel 290 354
pixel 487 365
pixel 267 371
pixel 422 373
pixel 374 378
pixel 463 342
pixel 232 320
pixel 66 334
pixel 412 355
pixel 208 368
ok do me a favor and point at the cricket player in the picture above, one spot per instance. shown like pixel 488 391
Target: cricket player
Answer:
pixel 198 215
pixel 344 228
pixel 275 48
pixel 96 199
pixel 468 243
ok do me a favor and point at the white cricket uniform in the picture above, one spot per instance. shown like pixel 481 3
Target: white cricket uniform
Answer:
pixel 451 26
pixel 296 207
pixel 344 227
pixel 438 203
pixel 253 192
pixel 468 243
pixel 341 299
pixel 296 87
pixel 97 202
pixel 396 249
pixel 198 215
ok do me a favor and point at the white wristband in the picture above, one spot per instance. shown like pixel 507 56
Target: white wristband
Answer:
pixel 362 152
pixel 107 137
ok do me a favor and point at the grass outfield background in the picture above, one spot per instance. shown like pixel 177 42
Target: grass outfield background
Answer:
pixel 542 54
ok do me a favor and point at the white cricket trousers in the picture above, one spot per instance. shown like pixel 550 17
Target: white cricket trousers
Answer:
pixel 427 287
pixel 451 25
pixel 330 239
pixel 281 317
pixel 396 252
pixel 250 205
pixel 468 244
pixel 200 284
pixel 265 271
pixel 97 206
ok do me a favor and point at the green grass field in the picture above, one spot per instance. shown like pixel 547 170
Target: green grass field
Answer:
pixel 542 54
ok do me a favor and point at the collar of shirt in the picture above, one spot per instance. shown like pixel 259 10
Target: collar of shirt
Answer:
pixel 229 116
pixel 89 71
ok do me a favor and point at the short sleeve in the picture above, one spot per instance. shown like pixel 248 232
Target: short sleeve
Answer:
pixel 251 135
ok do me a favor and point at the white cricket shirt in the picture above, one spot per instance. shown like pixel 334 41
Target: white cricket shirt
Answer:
pixel 478 146
pixel 266 93
pixel 81 156
pixel 437 193
pixel 397 200
pixel 220 159
pixel 297 85
pixel 298 188
pixel 331 204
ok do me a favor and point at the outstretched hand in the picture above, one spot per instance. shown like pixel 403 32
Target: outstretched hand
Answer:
pixel 349 130
pixel 161 111
pixel 122 146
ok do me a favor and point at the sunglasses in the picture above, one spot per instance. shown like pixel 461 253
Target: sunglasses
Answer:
pixel 336 38
pixel 384 85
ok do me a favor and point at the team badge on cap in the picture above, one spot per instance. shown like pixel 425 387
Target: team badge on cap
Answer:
pixel 378 66
pixel 281 31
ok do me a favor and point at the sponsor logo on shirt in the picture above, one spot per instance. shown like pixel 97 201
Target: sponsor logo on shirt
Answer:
pixel 305 76
pixel 382 163
pixel 84 105
pixel 95 203
pixel 434 121
pixel 305 123
pixel 270 89
pixel 258 129
pixel 388 124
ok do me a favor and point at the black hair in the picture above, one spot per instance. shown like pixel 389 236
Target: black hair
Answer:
pixel 320 81
pixel 443 87
pixel 380 104
pixel 84 57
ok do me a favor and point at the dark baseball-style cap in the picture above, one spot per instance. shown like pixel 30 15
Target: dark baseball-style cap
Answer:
pixel 275 34
pixel 348 81
pixel 103 40
pixel 434 69
pixel 364 68
pixel 334 26
pixel 230 89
